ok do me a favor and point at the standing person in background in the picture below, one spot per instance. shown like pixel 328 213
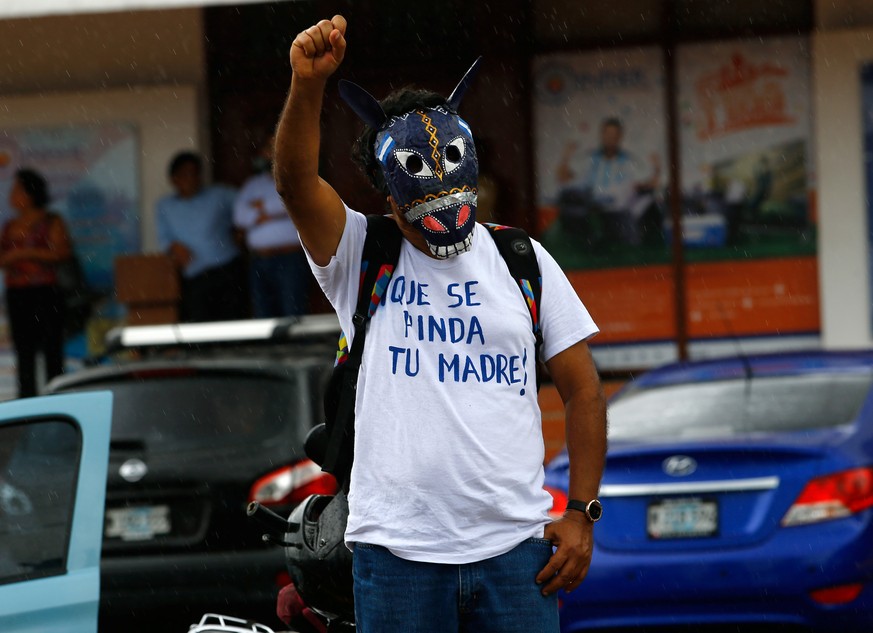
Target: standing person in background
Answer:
pixel 31 246
pixel 278 273
pixel 195 227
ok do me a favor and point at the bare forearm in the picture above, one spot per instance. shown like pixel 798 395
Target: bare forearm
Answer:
pixel 586 441
pixel 49 256
pixel 316 209
pixel 297 142
pixel 576 379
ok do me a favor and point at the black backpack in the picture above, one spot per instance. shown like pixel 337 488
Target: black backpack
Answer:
pixel 318 560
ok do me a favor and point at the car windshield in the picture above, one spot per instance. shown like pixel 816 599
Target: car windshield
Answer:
pixel 216 409
pixel 735 407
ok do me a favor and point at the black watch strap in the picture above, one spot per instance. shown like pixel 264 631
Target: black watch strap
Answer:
pixel 592 510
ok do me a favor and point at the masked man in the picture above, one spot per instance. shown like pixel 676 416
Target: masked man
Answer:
pixel 448 519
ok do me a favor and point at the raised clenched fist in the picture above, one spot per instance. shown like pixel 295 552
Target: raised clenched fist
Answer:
pixel 318 51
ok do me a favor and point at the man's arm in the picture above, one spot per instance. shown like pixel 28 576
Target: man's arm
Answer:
pixel 164 234
pixel 315 208
pixel 167 242
pixel 563 173
pixel 654 178
pixel 245 212
pixel 576 379
pixel 271 209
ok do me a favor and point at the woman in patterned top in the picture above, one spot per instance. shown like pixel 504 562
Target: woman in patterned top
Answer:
pixel 31 245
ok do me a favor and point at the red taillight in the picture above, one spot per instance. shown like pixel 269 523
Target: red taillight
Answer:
pixel 559 501
pixel 832 497
pixel 292 484
pixel 837 595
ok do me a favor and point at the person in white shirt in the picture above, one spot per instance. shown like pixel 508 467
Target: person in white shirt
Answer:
pixel 616 184
pixel 448 519
pixel 278 274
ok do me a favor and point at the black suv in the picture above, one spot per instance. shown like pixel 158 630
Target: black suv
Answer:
pixel 206 418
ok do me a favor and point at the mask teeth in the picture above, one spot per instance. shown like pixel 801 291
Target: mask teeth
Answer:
pixel 445 252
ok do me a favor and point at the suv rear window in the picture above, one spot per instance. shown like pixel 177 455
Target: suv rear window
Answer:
pixel 220 409
pixel 734 407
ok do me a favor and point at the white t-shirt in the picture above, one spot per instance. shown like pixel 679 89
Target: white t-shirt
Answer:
pixel 259 194
pixel 449 450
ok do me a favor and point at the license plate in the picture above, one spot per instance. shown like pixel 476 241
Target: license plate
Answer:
pixel 137 524
pixel 682 518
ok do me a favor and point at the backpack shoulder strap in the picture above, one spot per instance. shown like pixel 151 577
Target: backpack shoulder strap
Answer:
pixel 378 260
pixel 517 251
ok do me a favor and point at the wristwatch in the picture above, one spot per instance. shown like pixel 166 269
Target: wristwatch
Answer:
pixel 593 510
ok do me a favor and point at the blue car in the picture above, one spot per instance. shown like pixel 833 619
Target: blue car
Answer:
pixel 736 491
pixel 54 453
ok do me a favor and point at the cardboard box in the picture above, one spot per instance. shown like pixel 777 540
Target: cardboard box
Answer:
pixel 151 314
pixel 149 287
pixel 146 279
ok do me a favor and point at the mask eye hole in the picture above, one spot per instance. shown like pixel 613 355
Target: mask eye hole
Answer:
pixel 455 152
pixel 413 164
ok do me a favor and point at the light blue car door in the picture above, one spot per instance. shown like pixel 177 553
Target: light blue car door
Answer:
pixel 54 452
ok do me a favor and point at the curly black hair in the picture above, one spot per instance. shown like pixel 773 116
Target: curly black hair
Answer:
pixel 35 186
pixel 398 102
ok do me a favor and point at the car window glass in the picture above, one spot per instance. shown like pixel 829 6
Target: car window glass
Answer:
pixel 39 464
pixel 180 411
pixel 733 407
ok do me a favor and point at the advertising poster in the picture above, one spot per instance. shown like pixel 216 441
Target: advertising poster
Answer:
pixel 93 178
pixel 748 212
pixel 747 195
pixel 600 155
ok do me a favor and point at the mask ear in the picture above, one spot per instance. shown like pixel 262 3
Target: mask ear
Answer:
pixel 461 89
pixel 363 103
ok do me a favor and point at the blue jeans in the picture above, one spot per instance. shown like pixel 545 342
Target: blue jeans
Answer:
pixel 498 595
pixel 279 285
